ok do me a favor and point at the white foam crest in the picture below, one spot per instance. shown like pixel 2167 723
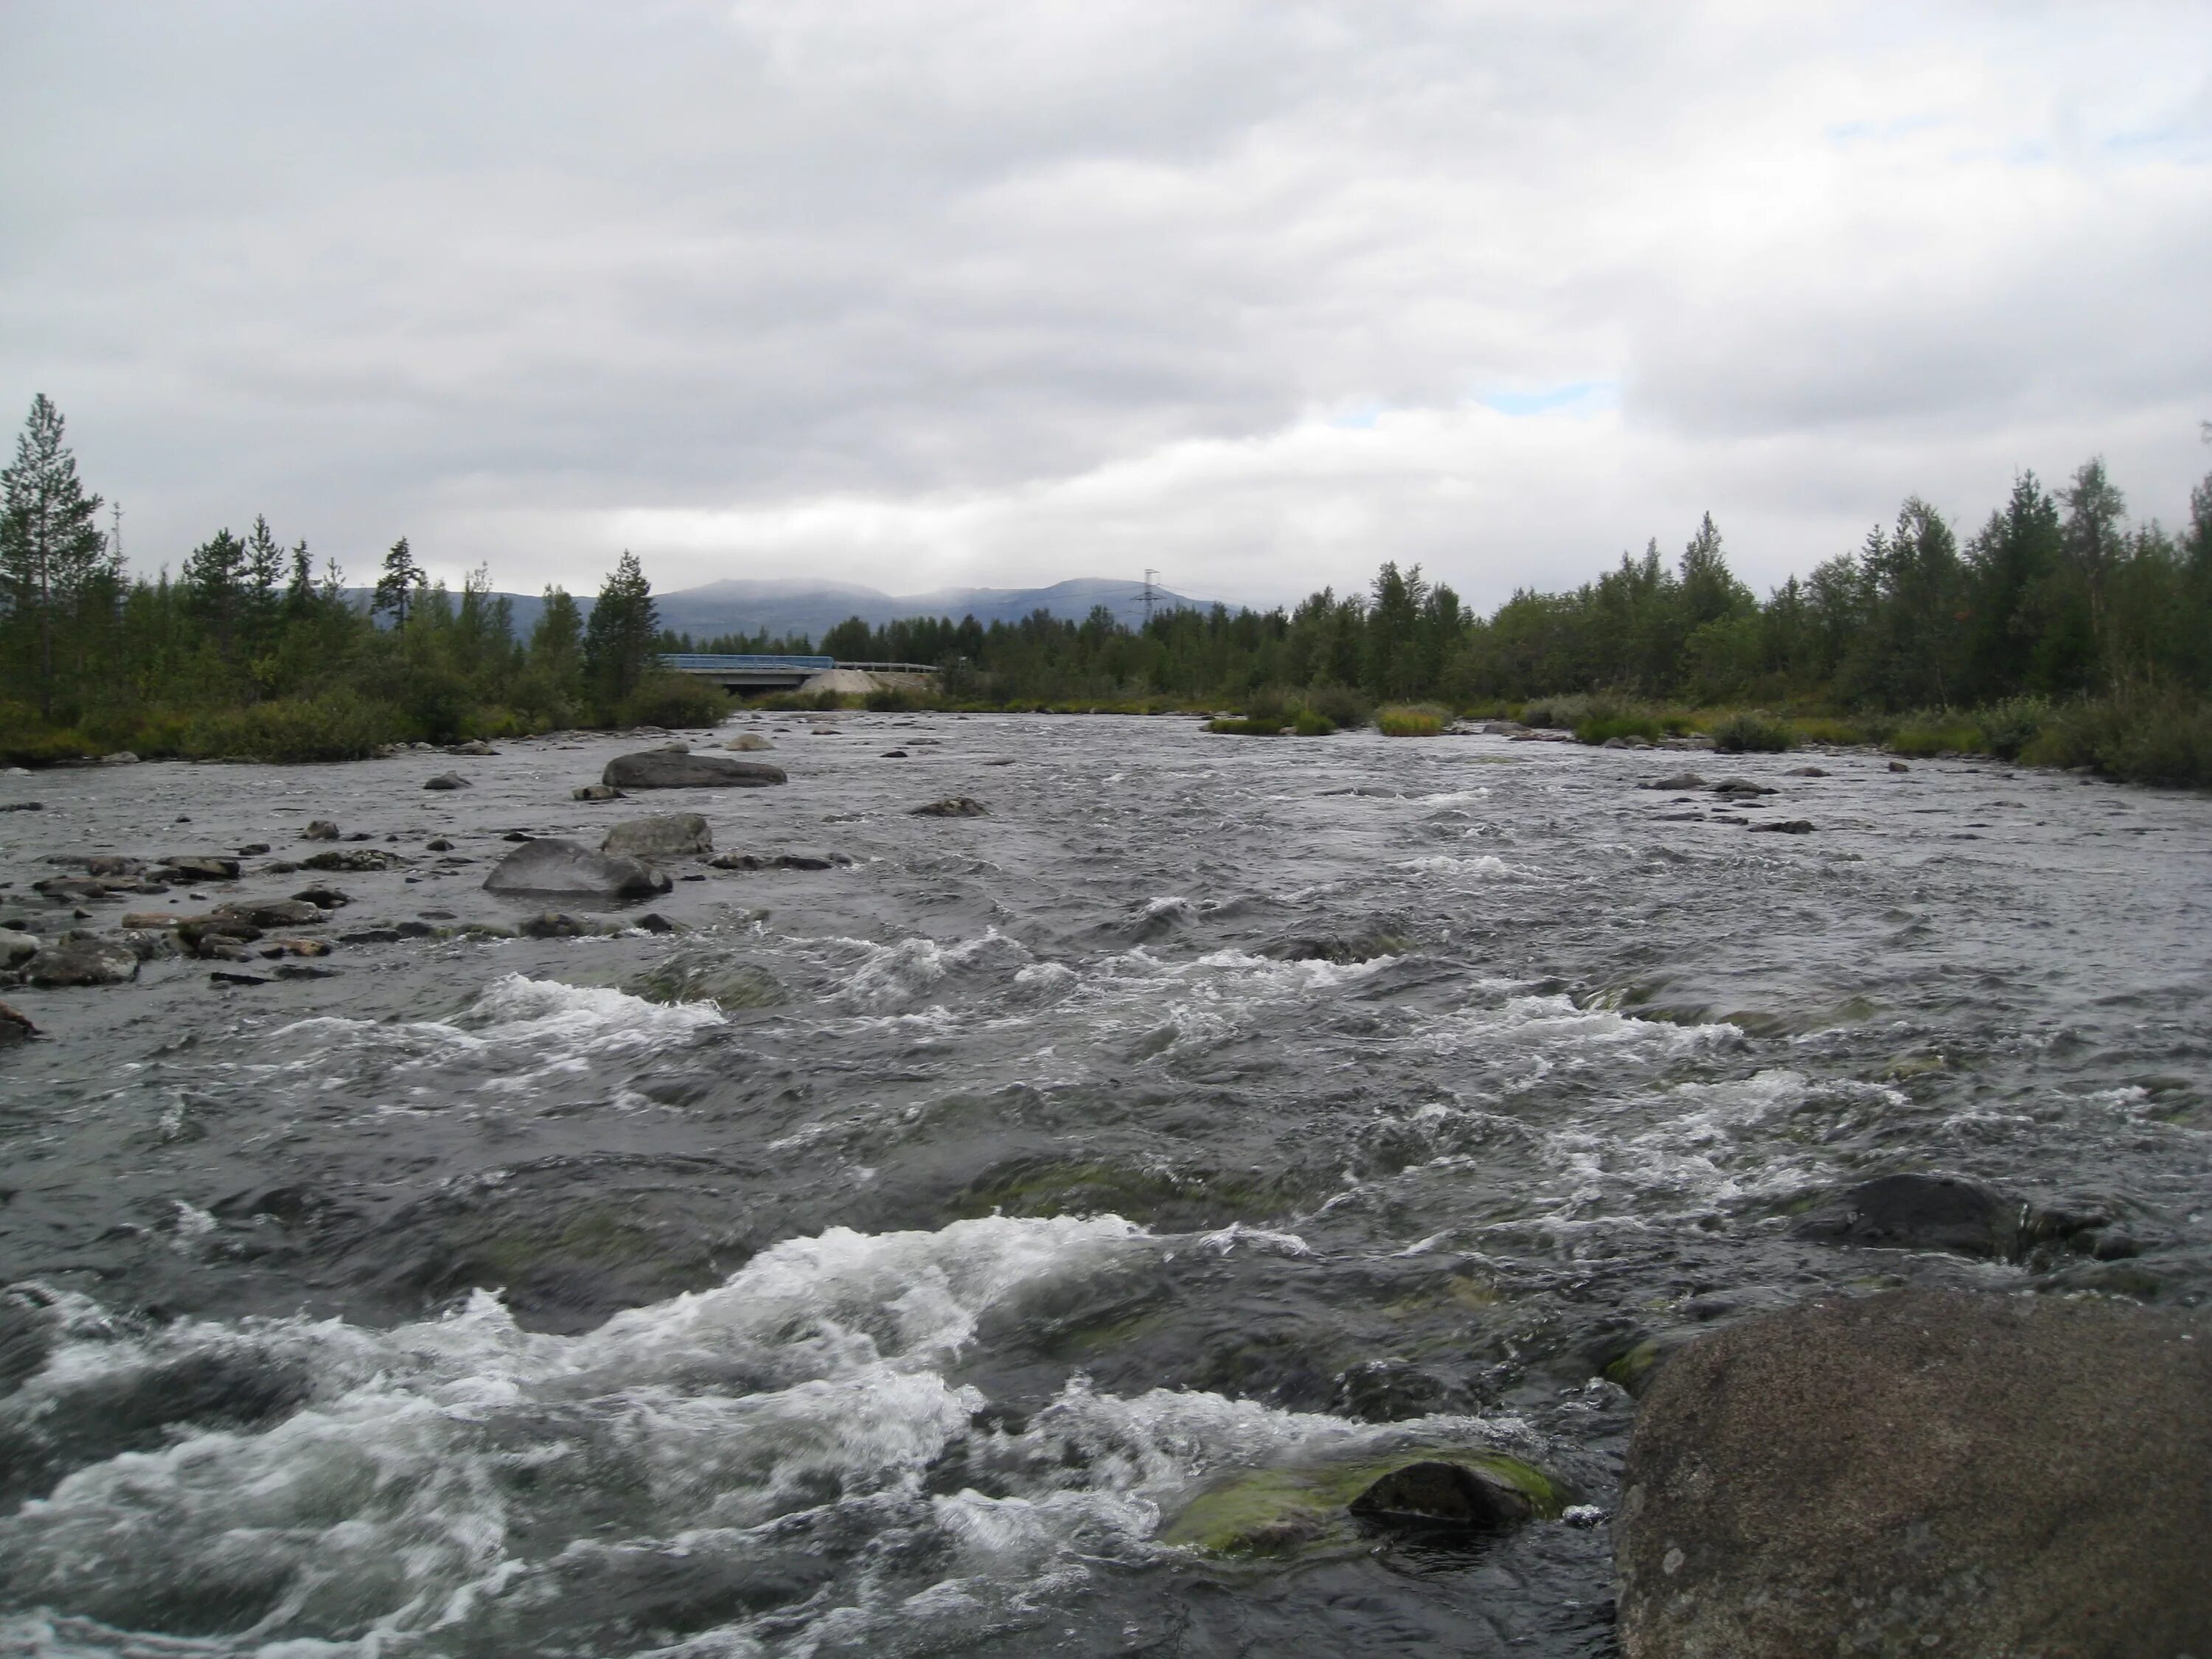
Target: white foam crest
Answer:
pixel 908 968
pixel 390 1496
pixel 1438 864
pixel 1557 1026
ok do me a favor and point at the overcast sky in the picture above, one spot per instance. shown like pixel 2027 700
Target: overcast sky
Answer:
pixel 915 293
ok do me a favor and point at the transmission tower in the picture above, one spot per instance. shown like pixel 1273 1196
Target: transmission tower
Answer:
pixel 115 538
pixel 1149 597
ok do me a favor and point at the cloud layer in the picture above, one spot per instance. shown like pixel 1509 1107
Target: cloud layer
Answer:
pixel 922 294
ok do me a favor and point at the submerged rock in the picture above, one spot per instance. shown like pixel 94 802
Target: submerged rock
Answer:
pixel 16 949
pixel 594 791
pixel 673 768
pixel 448 781
pixel 749 742
pixel 672 835
pixel 1456 1497
pixel 201 868
pixel 1924 1472
pixel 955 806
pixel 1269 1512
pixel 14 1027
pixel 554 865
pixel 778 861
pixel 1920 1212
pixel 1679 782
pixel 1743 787
pixel 1785 826
pixel 319 829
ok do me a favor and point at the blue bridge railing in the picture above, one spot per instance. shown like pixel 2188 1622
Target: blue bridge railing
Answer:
pixel 707 662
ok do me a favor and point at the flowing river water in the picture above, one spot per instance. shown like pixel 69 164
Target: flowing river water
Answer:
pixel 883 1262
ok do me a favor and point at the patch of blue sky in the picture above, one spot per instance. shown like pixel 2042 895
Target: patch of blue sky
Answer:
pixel 1572 397
pixel 1359 416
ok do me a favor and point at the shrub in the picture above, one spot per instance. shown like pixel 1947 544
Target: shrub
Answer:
pixel 1339 705
pixel 1310 724
pixel 1246 728
pixel 1821 729
pixel 2011 726
pixel 1926 735
pixel 891 700
pixel 333 728
pixel 675 700
pixel 2144 740
pixel 1601 728
pixel 1745 733
pixel 1412 720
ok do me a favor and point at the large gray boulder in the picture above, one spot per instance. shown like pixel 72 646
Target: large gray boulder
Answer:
pixel 83 962
pixel 1924 1472
pixel 667 768
pixel 670 835
pixel 552 867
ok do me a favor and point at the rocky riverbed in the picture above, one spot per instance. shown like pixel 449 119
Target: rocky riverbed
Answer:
pixel 1017 1185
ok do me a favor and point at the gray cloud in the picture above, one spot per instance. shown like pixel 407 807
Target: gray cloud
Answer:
pixel 916 293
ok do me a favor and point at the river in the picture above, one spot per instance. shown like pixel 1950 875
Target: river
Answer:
pixel 882 1262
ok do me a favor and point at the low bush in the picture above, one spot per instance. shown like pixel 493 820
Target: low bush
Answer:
pixel 1821 728
pixel 2144 740
pixel 1923 736
pixel 1602 728
pixel 674 700
pixel 1412 720
pixel 1310 724
pixel 1339 705
pixel 1246 728
pixel 891 700
pixel 334 728
pixel 1745 732
pixel 2010 726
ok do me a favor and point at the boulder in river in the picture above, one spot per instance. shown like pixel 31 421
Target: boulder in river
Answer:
pixel 323 896
pixel 1920 1212
pixel 664 769
pixel 448 781
pixel 1924 1472
pixel 554 865
pixel 352 858
pixel 273 912
pixel 1743 787
pixel 748 742
pixel 594 791
pixel 670 835
pixel 71 961
pixel 1677 783
pixel 955 806
pixel 1786 826
pixel 553 924
pixel 14 1027
pixel 16 949
pixel 319 829
pixel 197 867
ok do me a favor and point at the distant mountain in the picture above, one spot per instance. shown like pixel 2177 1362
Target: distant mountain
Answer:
pixel 791 606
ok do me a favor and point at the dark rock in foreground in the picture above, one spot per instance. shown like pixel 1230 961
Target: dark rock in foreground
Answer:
pixel 672 836
pixel 1922 1472
pixel 666 769
pixel 447 781
pixel 1920 1212
pixel 552 866
pixel 14 1027
pixel 957 807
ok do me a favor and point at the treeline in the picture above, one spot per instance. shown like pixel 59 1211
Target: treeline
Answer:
pixel 2058 618
pixel 251 649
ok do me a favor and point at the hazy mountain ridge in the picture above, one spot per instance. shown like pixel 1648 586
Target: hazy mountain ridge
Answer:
pixel 792 606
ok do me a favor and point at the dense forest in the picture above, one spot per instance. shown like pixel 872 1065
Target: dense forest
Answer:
pixel 2059 628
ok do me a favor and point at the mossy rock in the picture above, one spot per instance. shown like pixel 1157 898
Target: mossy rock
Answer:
pixel 1275 1512
pixel 730 985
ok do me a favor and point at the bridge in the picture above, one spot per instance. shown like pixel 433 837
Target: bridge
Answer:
pixel 765 672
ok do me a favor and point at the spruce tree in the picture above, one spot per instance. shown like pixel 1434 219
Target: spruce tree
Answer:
pixel 52 555
pixel 618 640
pixel 395 588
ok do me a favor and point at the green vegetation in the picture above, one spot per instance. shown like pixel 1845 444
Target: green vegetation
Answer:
pixel 1403 719
pixel 2058 633
pixel 1753 734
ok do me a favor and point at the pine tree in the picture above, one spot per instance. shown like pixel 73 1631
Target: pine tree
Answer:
pixel 215 588
pixel 618 640
pixel 52 555
pixel 395 588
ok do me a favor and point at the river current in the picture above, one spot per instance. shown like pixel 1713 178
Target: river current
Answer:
pixel 883 1262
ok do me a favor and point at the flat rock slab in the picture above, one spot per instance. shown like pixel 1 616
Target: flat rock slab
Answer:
pixel 1925 1472
pixel 663 769
pixel 554 866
